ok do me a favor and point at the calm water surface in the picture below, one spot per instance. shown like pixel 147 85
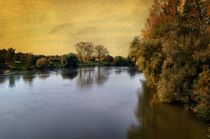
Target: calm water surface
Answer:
pixel 88 103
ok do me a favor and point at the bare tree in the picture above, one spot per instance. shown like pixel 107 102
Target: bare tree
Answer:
pixel 101 52
pixel 84 51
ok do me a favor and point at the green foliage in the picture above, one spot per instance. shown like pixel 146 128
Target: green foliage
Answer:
pixel 87 55
pixel 3 58
pixel 108 60
pixel 10 54
pixel 120 61
pixel 54 62
pixel 69 60
pixel 174 53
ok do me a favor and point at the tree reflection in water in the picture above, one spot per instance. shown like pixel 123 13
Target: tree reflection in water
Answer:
pixel 13 78
pixel 102 75
pixel 43 74
pixel 141 118
pixel 69 73
pixel 28 77
pixel 3 78
pixel 85 77
pixel 88 76
pixel 132 72
pixel 162 121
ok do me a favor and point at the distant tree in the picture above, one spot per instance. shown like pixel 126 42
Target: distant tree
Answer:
pixel 17 56
pixel 100 52
pixel 10 54
pixel 108 60
pixel 69 60
pixel 3 54
pixel 84 51
pixel 42 63
pixel 54 61
pixel 120 61
pixel 29 61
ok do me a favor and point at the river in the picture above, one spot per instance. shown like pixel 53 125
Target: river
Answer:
pixel 88 103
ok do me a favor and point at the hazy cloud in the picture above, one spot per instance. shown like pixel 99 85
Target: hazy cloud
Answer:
pixel 60 27
pixel 55 26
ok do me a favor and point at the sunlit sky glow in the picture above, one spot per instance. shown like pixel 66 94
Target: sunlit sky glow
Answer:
pixel 54 26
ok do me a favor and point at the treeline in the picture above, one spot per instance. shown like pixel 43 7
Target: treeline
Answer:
pixel 87 55
pixel 174 53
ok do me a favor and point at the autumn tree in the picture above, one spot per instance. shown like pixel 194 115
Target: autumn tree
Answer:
pixel 42 63
pixel 174 50
pixel 134 48
pixel 84 51
pixel 100 52
pixel 201 91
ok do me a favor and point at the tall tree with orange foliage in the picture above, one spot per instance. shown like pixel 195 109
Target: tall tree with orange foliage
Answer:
pixel 174 51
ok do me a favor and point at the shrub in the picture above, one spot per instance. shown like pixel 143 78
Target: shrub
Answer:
pixel 42 63
pixel 69 60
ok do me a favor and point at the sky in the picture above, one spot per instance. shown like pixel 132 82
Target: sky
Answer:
pixel 54 27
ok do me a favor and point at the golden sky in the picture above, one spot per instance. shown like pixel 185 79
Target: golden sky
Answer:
pixel 55 26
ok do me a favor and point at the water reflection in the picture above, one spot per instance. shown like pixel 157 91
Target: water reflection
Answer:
pixel 3 79
pixel 101 76
pixel 132 72
pixel 118 70
pixel 11 81
pixel 28 77
pixel 43 74
pixel 85 77
pixel 56 106
pixel 69 73
pixel 13 78
pixel 89 76
pixel 161 121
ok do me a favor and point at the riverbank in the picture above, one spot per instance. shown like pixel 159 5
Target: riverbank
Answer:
pixel 9 70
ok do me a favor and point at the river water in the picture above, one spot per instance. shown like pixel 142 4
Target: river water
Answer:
pixel 88 103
